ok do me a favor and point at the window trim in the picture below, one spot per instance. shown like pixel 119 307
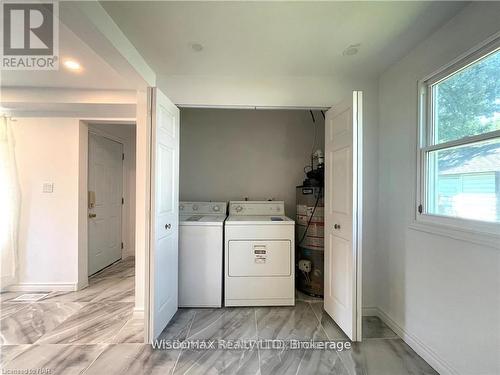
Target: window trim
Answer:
pixel 433 222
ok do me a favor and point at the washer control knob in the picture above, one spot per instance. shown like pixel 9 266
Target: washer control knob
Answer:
pixel 216 208
pixel 195 207
pixel 238 208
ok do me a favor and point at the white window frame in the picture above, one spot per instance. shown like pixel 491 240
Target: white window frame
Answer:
pixel 440 223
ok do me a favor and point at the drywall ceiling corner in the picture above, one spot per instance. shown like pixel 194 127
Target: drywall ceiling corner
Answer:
pixel 60 102
pixel 93 25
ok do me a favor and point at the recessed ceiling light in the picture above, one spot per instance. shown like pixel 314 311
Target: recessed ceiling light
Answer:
pixel 72 65
pixel 196 47
pixel 351 50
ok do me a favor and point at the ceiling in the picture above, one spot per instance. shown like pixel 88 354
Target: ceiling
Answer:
pixel 96 73
pixel 255 39
pixel 247 43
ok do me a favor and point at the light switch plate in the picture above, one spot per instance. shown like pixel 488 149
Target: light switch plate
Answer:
pixel 48 187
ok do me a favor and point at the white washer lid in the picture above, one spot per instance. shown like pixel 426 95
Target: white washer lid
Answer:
pixel 200 220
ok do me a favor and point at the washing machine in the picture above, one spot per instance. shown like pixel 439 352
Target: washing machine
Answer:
pixel 201 244
pixel 259 255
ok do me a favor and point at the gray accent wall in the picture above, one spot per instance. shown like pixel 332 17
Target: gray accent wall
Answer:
pixel 230 154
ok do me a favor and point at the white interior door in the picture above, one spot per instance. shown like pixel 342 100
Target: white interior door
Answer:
pixel 343 188
pixel 105 180
pixel 163 269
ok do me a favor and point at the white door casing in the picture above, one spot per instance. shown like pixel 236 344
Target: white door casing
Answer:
pixel 343 203
pixel 163 265
pixel 105 185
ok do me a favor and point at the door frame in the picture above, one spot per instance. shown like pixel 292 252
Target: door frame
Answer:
pixel 144 107
pixel 104 134
pixel 358 193
pixel 144 116
pixel 83 149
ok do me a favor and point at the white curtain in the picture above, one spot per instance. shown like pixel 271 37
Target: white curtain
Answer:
pixel 9 205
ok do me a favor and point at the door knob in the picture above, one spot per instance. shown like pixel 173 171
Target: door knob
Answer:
pixel 168 226
pixel 92 215
pixel 336 226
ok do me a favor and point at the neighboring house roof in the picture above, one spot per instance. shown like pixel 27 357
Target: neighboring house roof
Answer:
pixel 472 159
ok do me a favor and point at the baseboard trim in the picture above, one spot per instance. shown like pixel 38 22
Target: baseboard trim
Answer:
pixel 82 284
pixel 428 354
pixel 127 254
pixel 138 313
pixel 370 311
pixel 43 287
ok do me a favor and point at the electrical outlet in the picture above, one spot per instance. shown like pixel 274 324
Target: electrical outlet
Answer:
pixel 305 265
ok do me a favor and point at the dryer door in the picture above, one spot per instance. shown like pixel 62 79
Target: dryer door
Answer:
pixel 259 258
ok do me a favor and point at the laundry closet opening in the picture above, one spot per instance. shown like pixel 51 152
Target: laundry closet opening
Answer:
pixel 257 155
pixel 238 154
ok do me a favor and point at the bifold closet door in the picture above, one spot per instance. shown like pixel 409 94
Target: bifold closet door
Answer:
pixel 164 238
pixel 343 204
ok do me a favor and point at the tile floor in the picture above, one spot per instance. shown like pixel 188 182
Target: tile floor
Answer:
pixel 92 332
pixel 98 314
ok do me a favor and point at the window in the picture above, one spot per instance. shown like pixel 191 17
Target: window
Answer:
pixel 459 149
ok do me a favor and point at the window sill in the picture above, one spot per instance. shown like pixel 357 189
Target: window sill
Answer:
pixel 469 235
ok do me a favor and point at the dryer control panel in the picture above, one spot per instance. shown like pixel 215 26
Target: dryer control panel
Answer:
pixel 268 208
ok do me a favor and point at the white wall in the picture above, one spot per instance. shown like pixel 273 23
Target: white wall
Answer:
pixel 124 133
pixel 70 103
pixel 370 193
pixel 83 237
pixel 444 292
pixel 62 106
pixel 47 150
pixel 307 91
pixel 142 200
pixel 53 226
pixel 228 154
